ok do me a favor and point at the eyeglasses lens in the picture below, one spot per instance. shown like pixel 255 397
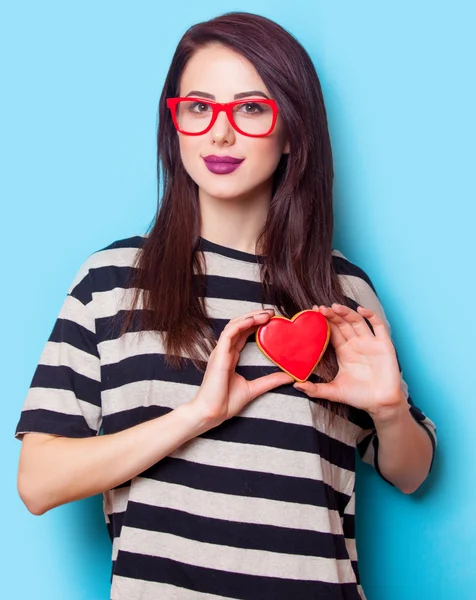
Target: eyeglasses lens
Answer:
pixel 255 118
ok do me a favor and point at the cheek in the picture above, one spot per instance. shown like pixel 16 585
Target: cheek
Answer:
pixel 189 150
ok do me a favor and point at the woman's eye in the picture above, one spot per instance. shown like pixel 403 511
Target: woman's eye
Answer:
pixel 199 107
pixel 251 107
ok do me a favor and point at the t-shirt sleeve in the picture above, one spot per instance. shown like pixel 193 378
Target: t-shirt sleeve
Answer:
pixel 358 287
pixel 64 397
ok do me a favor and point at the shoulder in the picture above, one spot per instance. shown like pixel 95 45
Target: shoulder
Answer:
pixel 106 268
pixel 347 270
pixel 356 284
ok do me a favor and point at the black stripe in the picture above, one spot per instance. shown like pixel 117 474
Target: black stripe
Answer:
pixel 65 378
pixel 433 445
pixel 355 566
pixel 419 417
pixel 343 266
pixel 247 430
pixel 110 531
pixel 136 241
pixel 227 288
pixel 116 522
pixel 254 484
pixel 375 442
pixel 82 291
pixel 124 419
pixel 349 526
pixel 153 367
pixel 248 536
pixel 415 411
pixel 287 436
pixel 274 434
pixel 109 328
pixel 48 421
pixel 230 585
pixel 360 417
pixel 364 444
pixel 207 246
pixel 74 334
pixel 107 278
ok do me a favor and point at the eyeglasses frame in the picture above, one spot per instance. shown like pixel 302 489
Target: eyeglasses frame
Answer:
pixel 218 107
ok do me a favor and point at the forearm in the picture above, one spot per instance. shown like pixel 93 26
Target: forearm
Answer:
pixel 405 449
pixel 57 470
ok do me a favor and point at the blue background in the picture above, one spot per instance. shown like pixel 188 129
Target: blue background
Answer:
pixel 78 106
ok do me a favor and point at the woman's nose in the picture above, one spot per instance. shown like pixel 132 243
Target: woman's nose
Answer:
pixel 222 129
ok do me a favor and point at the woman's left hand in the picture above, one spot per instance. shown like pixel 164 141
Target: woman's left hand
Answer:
pixel 368 377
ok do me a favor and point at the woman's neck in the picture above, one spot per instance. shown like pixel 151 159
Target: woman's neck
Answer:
pixel 234 222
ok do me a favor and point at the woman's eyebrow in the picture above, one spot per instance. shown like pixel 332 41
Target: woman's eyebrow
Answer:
pixel 236 96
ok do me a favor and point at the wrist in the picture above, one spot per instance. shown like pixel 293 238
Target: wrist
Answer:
pixel 196 416
pixel 391 412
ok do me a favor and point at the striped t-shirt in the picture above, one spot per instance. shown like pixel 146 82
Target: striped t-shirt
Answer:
pixel 261 507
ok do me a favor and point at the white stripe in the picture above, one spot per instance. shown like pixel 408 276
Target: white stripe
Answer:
pixel 115 547
pixel 236 560
pixel 361 592
pixel 240 509
pixel 217 264
pixel 271 406
pixel 150 342
pixel 75 311
pixel 57 354
pixel 351 548
pixel 369 454
pixel 119 257
pixel 147 393
pixel 107 304
pixel 115 500
pixel 350 507
pixel 222 308
pixel 358 289
pixel 124 588
pixel 131 344
pixel 110 302
pixel 265 459
pixel 63 402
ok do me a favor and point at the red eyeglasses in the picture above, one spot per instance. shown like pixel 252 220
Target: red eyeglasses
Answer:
pixel 196 116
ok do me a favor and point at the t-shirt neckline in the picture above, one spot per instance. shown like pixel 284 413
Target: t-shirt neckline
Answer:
pixel 208 246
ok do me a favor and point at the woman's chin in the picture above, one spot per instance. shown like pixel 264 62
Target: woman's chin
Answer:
pixel 225 192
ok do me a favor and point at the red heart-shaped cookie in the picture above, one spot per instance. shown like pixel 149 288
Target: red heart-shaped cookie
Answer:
pixel 296 345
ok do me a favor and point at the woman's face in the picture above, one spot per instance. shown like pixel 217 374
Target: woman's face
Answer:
pixel 221 73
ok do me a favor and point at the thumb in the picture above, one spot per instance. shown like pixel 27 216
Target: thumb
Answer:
pixel 325 391
pixel 268 382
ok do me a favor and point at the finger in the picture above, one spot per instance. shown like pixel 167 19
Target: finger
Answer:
pixel 242 339
pixel 378 325
pixel 325 391
pixel 245 325
pixel 340 330
pixel 231 322
pixel 354 318
pixel 268 382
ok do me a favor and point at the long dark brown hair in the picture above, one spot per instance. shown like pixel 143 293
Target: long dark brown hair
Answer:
pixel 297 269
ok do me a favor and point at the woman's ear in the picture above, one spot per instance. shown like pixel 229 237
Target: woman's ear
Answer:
pixel 286 148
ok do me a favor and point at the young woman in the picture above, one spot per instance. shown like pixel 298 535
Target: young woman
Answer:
pixel 221 477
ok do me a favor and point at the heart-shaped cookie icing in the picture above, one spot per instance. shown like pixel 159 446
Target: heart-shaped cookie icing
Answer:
pixel 295 345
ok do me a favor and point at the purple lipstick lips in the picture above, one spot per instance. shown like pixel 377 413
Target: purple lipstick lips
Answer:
pixel 222 165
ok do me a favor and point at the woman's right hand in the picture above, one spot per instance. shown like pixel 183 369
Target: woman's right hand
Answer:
pixel 224 393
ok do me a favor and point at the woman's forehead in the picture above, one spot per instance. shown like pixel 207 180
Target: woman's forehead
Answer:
pixel 221 72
